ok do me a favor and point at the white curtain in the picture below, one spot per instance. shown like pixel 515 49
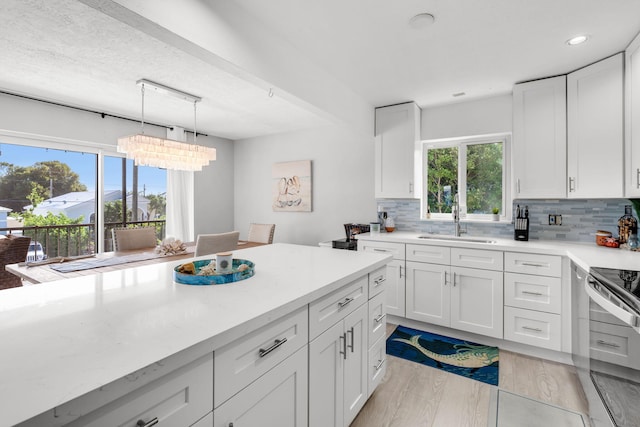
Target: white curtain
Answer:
pixel 180 198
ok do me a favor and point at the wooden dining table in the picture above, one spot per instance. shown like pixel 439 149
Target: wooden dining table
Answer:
pixel 40 273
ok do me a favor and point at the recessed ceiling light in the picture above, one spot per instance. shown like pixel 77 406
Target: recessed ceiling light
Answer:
pixel 577 40
pixel 422 20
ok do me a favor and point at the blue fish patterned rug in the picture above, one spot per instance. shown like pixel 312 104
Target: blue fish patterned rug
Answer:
pixel 468 359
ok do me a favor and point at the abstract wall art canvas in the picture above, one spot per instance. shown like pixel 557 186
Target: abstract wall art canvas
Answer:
pixel 292 186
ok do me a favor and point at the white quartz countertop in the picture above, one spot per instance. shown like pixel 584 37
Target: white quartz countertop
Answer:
pixel 586 255
pixel 60 340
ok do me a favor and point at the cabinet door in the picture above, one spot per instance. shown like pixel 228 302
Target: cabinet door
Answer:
pixel 632 119
pixel 540 138
pixel 278 398
pixel 326 377
pixel 355 364
pixel 428 294
pixel 477 301
pixel 595 119
pixel 395 288
pixel 397 131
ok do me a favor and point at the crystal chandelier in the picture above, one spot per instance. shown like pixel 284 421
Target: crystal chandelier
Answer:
pixel 147 150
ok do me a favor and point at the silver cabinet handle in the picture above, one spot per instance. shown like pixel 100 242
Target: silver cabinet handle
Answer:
pixel 345 302
pixel 410 187
pixel 343 340
pixel 533 264
pixel 538 294
pixel 638 178
pixel 276 344
pixel 379 365
pixel 350 332
pixel 400 269
pixel 518 185
pixel 380 250
pixel 149 423
pixel 379 280
pixel 454 279
pixel 608 344
pixel 444 278
pixel 379 318
pixel 529 328
pixel 572 184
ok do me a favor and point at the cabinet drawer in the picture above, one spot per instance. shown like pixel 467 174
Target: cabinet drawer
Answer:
pixel 242 361
pixel 377 281
pixel 180 398
pixel 477 258
pixel 542 265
pixel 540 293
pixel 614 344
pixel 394 249
pixel 326 311
pixel 377 317
pixel 532 327
pixel 427 253
pixel 377 364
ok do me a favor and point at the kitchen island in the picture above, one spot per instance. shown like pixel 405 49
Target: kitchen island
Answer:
pixel 70 347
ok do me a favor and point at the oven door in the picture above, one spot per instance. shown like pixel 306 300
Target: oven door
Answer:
pixel 607 352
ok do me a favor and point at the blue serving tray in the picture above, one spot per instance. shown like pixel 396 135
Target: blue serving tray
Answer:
pixel 216 279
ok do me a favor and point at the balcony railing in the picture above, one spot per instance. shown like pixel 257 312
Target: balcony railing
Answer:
pixel 75 239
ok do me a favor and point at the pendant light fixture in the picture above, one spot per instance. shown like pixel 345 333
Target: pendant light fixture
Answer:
pixel 146 150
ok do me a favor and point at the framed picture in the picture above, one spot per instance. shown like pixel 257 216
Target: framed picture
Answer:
pixel 292 186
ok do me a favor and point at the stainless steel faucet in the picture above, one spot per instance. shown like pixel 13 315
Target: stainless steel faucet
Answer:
pixel 455 210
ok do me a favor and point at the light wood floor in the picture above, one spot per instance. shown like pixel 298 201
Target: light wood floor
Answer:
pixel 414 395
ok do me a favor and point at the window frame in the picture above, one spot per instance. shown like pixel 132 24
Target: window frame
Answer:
pixel 462 143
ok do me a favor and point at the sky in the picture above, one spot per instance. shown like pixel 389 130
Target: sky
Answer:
pixel 153 180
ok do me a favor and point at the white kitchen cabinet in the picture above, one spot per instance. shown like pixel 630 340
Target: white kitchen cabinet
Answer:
pixel 532 327
pixel 632 119
pixel 595 130
pixel 338 360
pixel 468 299
pixel 540 138
pixel 395 276
pixel 278 398
pixel 397 130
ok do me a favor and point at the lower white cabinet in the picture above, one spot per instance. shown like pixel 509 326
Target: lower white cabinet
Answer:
pixel 278 398
pixel 395 288
pixel 533 327
pixel 463 298
pixel 338 386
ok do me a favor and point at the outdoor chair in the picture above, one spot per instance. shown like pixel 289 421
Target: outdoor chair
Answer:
pixel 213 243
pixel 13 249
pixel 128 239
pixel 261 233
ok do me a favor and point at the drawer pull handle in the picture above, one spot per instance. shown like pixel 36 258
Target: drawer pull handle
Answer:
pixel 529 328
pixel 379 318
pixel 608 344
pixel 350 332
pixel 343 339
pixel 380 250
pixel 379 365
pixel 538 294
pixel 149 423
pixel 379 280
pixel 533 264
pixel 276 344
pixel 345 302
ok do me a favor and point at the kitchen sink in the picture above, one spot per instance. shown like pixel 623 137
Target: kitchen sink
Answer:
pixel 459 239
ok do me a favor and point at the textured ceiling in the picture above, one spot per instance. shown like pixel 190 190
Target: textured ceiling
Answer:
pixel 67 52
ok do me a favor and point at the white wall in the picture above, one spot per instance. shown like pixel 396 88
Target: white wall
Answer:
pixel 342 179
pixel 478 117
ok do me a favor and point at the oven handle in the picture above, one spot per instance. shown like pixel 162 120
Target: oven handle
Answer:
pixel 604 299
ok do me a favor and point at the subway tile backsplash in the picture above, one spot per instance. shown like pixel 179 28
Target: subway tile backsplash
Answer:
pixel 580 219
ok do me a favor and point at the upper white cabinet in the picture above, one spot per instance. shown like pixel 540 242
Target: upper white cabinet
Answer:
pixel 595 130
pixel 397 131
pixel 632 119
pixel 540 138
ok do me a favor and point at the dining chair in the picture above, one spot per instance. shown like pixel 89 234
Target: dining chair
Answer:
pixel 127 239
pixel 214 243
pixel 13 249
pixel 261 233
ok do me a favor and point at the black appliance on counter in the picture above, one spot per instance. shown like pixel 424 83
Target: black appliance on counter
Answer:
pixel 350 242
pixel 606 339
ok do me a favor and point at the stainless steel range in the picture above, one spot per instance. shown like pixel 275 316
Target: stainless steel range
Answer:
pixel 606 343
